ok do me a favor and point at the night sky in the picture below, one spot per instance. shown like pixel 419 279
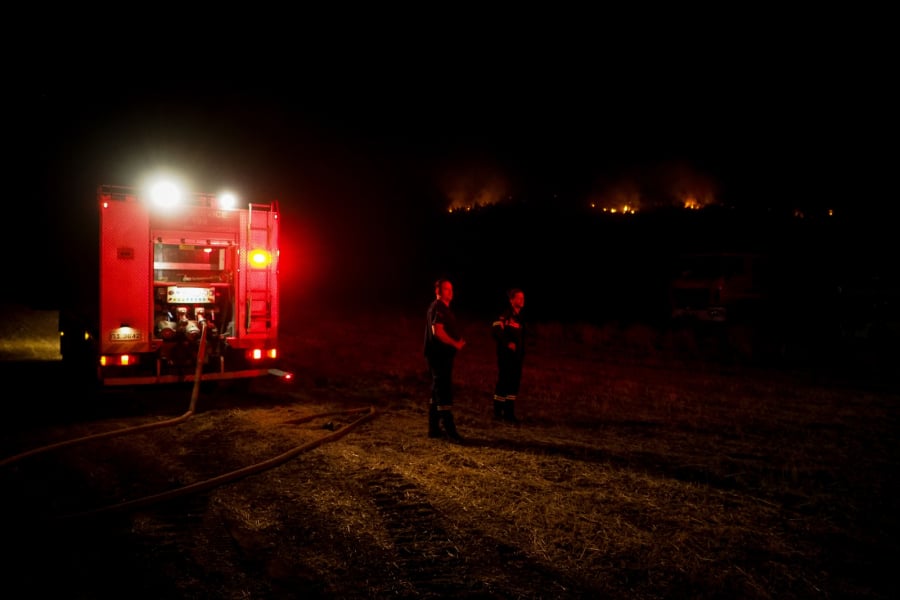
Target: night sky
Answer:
pixel 367 145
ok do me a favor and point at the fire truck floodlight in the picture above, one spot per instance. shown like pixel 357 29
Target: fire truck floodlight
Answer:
pixel 226 201
pixel 165 194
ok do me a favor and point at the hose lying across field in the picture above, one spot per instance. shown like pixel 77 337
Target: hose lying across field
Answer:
pixel 96 436
pixel 108 434
pixel 259 467
pixel 209 483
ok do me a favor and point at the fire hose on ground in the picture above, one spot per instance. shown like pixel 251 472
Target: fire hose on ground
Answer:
pixel 208 484
pixel 146 426
pixel 202 486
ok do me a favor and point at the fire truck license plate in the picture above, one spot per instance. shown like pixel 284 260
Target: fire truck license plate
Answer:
pixel 130 336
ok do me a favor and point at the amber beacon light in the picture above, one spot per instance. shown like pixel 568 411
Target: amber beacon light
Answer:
pixel 260 258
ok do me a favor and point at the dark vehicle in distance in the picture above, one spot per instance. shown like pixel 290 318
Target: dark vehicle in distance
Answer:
pixel 719 287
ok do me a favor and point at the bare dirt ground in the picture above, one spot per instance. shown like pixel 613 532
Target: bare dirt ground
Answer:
pixel 636 473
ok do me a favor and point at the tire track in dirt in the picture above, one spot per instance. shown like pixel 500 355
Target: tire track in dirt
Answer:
pixel 467 564
pixel 424 550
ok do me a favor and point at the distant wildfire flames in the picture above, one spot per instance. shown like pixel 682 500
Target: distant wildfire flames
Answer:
pixel 692 203
pixel 669 185
pixel 625 209
pixel 476 189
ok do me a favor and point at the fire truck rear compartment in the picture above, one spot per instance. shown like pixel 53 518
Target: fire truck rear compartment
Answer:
pixel 166 275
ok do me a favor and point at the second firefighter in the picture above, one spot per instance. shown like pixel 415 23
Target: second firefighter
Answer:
pixel 509 336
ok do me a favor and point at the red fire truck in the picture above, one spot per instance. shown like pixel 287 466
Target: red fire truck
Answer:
pixel 188 288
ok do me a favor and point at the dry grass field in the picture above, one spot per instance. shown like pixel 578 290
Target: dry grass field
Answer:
pixel 644 467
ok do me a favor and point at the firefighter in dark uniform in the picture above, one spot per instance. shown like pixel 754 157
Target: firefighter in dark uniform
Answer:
pixel 442 342
pixel 509 336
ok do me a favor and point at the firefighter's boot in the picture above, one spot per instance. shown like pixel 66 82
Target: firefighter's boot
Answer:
pixel 509 412
pixel 450 427
pixel 498 409
pixel 434 422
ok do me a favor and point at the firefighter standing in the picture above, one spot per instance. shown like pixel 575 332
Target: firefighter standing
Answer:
pixel 509 335
pixel 442 341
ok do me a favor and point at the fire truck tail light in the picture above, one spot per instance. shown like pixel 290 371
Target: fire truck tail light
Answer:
pixel 260 258
pixel 260 353
pixel 118 360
